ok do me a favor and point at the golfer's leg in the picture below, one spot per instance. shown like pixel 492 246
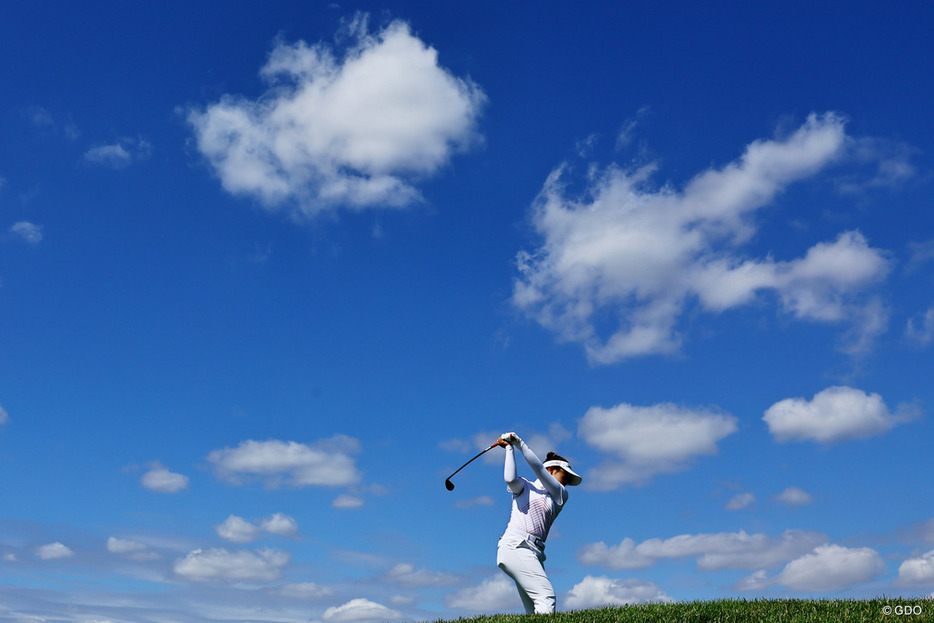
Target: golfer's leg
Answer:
pixel 509 560
pixel 523 566
pixel 527 602
pixel 537 585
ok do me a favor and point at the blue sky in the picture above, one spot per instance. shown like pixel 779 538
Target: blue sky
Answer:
pixel 269 275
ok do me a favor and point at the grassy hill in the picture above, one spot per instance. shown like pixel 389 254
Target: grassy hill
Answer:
pixel 879 610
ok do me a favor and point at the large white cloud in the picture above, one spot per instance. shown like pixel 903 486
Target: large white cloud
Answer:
pixel 619 262
pixel 724 550
pixel 649 440
pixel 834 414
pixel 220 564
pixel 828 568
pixel 595 592
pixel 324 463
pixel 354 127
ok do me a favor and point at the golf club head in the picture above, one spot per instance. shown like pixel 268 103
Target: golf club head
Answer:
pixel 449 485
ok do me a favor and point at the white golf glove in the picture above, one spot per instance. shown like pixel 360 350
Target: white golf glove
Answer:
pixel 510 438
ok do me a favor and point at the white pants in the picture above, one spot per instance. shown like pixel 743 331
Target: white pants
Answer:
pixel 522 561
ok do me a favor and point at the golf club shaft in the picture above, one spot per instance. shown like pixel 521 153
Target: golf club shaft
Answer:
pixel 474 459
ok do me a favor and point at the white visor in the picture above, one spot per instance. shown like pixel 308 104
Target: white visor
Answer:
pixel 574 478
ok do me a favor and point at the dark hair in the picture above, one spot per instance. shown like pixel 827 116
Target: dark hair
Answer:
pixel 554 456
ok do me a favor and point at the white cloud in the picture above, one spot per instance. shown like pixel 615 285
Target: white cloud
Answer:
pixel 494 594
pixel 239 530
pixel 794 496
pixel 120 154
pixel 345 501
pixel 917 570
pixel 834 414
pixel 827 568
pixel 53 551
pixel 649 440
pixel 406 575
pixel 483 500
pixel 740 501
pixel 618 264
pixel 305 590
pixel 361 610
pixel 325 463
pixel 355 127
pixel 280 524
pixel 596 592
pixel 131 549
pixel 160 479
pixel 4 417
pixel 122 546
pixel 41 118
pixel 220 564
pixel 920 330
pixel 724 550
pixel 29 232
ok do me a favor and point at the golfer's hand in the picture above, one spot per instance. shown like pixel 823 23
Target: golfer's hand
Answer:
pixel 510 438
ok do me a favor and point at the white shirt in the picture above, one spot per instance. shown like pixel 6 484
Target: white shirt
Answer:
pixel 535 505
pixel 533 510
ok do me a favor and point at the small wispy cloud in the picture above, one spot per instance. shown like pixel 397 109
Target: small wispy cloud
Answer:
pixel 345 501
pixel 160 479
pixel 133 550
pixel 239 530
pixel 361 610
pixel 30 232
pixel 54 551
pixel 920 329
pixel 740 501
pixel 48 124
pixel 120 154
pixel 794 496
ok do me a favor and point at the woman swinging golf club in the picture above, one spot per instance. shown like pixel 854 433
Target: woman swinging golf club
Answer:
pixel 535 505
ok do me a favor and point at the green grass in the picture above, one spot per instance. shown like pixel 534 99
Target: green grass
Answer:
pixel 881 610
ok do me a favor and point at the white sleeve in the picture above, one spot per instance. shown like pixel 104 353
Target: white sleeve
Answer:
pixel 555 488
pixel 510 475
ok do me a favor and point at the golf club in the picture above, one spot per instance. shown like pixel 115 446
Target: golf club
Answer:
pixel 450 485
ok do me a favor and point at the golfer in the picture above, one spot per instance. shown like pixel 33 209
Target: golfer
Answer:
pixel 535 505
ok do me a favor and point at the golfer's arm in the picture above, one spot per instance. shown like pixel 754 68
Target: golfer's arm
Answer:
pixel 555 488
pixel 510 474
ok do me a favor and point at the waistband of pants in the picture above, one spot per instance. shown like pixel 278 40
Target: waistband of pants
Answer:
pixel 538 542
